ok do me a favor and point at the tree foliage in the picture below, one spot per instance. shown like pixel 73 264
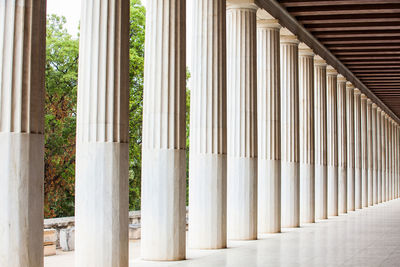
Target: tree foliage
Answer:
pixel 136 46
pixel 62 51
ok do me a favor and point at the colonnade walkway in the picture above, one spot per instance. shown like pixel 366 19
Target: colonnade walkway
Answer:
pixel 367 237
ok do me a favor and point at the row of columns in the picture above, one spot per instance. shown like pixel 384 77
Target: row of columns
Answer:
pixel 277 138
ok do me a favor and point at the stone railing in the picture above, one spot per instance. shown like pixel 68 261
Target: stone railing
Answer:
pixel 65 229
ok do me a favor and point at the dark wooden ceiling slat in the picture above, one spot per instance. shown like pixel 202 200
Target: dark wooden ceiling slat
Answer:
pixel 302 3
pixel 363 34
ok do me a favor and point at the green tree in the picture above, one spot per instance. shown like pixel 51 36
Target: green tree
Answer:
pixel 62 52
pixel 136 69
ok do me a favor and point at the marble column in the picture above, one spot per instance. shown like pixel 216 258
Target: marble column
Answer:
pixel 332 140
pixel 390 158
pixel 306 128
pixel 164 132
pixel 393 162
pixel 22 77
pixel 374 134
pixel 364 152
pixel 383 151
pixel 102 150
pixel 357 148
pixel 387 184
pixel 269 125
pixel 379 152
pixel 370 161
pixel 290 130
pixel 396 151
pixel 321 171
pixel 397 160
pixel 207 162
pixel 242 121
pixel 350 146
pixel 342 143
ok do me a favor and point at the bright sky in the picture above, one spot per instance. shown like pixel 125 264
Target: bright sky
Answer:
pixel 71 9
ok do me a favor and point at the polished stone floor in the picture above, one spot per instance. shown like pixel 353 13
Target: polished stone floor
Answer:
pixel 368 237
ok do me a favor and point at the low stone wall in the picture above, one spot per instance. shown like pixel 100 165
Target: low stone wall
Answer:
pixel 65 229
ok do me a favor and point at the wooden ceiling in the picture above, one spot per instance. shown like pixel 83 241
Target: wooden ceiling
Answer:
pixel 363 34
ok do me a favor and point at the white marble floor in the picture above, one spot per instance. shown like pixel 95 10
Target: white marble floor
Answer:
pixel 368 237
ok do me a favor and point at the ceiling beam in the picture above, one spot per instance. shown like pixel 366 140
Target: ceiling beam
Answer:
pixel 294 3
pixel 288 21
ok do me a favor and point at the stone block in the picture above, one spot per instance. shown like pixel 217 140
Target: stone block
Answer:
pixel 49 250
pixel 134 231
pixel 67 239
pixel 49 236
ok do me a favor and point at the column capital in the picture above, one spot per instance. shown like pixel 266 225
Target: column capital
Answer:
pixel 239 4
pixel 349 85
pixel 363 96
pixel 374 106
pixel 319 61
pixel 341 78
pixel 357 91
pixel 331 71
pixel 369 101
pixel 288 37
pixel 269 24
pixel 378 109
pixel 305 50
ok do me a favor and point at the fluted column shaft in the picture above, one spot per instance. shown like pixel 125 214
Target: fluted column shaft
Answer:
pixel 383 155
pixel 342 144
pixel 269 126
pixel 332 140
pixel 207 163
pixel 164 132
pixel 370 161
pixel 396 155
pixel 394 160
pixel 390 161
pixel 357 148
pixel 22 69
pixel 350 146
pixel 242 121
pixel 321 173
pixel 379 152
pixel 387 158
pixel 306 128
pixel 290 131
pixel 102 161
pixel 364 152
pixel 374 133
pixel 396 151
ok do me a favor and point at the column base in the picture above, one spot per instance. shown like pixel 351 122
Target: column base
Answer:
pixel 102 205
pixel 21 199
pixel 333 191
pixel 269 196
pixel 351 205
pixel 364 185
pixel 321 187
pixel 290 194
pixel 242 198
pixel 207 201
pixel 342 187
pixel 163 233
pixel 307 193
pixel 358 195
